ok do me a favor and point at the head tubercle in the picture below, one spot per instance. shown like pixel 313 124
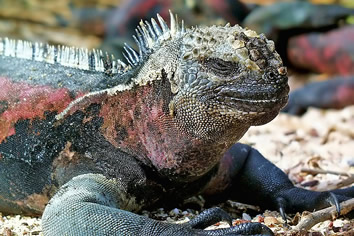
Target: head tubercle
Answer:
pixel 180 45
pixel 227 43
pixel 224 42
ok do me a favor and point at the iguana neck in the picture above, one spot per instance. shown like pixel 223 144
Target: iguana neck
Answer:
pixel 138 121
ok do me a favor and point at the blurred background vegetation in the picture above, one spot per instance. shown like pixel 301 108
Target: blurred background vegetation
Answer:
pixel 89 23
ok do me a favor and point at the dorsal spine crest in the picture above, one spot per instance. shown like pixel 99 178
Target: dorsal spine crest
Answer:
pixel 149 37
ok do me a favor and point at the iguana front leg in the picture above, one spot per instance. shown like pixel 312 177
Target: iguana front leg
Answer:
pixel 91 204
pixel 245 175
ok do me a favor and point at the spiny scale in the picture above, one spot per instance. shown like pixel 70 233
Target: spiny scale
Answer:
pixel 149 36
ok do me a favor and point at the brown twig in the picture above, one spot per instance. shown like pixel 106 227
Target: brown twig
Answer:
pixel 320 171
pixel 243 206
pixel 342 183
pixel 345 182
pixel 308 221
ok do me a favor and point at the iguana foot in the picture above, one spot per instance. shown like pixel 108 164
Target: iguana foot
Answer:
pixel 256 180
pixel 298 200
pixel 89 205
pixel 210 217
pixel 271 188
pixel 214 215
pixel 242 229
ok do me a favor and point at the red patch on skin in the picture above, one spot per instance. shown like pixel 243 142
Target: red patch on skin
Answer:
pixel 138 123
pixel 141 115
pixel 141 131
pixel 28 101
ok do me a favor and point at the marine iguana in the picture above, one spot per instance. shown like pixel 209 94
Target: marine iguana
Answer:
pixel 100 139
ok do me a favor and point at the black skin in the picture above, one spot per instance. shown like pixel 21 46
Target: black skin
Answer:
pixel 336 92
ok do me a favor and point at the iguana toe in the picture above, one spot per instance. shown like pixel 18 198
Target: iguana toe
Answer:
pixel 210 217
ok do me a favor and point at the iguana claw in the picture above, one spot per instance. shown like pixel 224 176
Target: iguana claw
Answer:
pixel 282 203
pixel 334 201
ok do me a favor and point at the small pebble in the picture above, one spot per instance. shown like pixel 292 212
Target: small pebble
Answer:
pixel 246 216
pixel 270 220
pixel 351 162
pixel 174 212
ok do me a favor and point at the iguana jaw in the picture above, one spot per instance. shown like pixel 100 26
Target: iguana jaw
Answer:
pixel 233 75
pixel 210 104
pixel 254 105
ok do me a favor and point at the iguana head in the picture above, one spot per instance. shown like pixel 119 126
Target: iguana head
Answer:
pixel 221 79
pixel 227 79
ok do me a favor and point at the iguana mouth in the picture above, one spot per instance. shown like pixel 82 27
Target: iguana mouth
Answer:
pixel 253 99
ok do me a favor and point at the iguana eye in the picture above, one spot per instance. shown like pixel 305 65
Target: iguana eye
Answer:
pixel 220 67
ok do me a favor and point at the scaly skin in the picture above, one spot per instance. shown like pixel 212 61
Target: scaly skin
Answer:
pixel 107 139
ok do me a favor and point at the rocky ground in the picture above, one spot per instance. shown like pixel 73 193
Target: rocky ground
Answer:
pixel 315 150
